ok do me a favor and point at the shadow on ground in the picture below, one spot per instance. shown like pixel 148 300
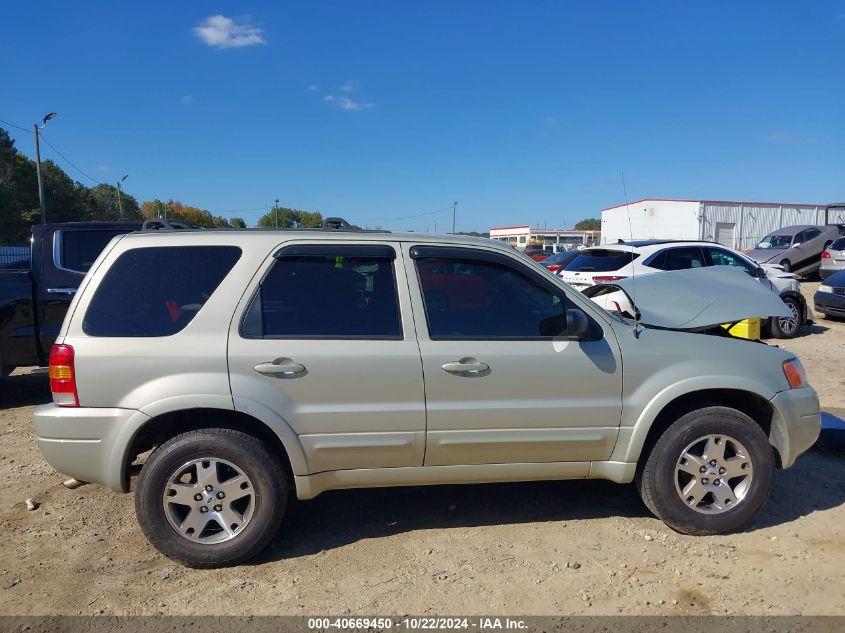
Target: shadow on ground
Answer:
pixel 343 517
pixel 23 390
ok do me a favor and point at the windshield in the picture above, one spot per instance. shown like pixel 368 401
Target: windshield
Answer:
pixel 775 241
pixel 600 260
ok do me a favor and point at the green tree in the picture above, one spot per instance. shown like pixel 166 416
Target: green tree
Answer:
pixel 18 191
pixel 108 206
pixel 589 224
pixel 286 218
pixel 237 223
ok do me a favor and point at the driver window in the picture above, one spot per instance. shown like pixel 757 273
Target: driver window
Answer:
pixel 478 299
pixel 725 258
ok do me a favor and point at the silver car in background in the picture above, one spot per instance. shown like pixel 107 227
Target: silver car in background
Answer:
pixel 796 248
pixel 833 259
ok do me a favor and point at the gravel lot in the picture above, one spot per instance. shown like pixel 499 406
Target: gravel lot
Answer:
pixel 535 548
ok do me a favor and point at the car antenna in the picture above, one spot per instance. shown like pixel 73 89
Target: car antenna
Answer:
pixel 633 268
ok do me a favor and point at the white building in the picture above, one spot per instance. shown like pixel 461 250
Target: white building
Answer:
pixel 738 225
pixel 522 236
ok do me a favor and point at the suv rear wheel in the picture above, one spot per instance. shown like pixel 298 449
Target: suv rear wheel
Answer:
pixel 211 497
pixel 709 473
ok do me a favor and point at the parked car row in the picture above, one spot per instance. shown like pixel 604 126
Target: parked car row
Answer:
pixel 608 264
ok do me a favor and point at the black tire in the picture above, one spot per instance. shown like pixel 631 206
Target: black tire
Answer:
pixel 782 330
pixel 265 472
pixel 656 478
pixel 786 265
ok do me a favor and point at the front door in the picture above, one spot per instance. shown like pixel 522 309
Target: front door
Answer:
pixel 503 381
pixel 326 340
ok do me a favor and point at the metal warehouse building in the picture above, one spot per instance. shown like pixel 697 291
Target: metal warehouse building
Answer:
pixel 738 225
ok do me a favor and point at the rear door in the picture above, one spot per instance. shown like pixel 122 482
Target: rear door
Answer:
pixel 325 338
pixel 503 383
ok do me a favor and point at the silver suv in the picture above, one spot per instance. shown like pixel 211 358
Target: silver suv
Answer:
pixel 250 366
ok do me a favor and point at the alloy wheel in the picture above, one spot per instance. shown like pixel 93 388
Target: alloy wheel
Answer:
pixel 713 474
pixel 209 500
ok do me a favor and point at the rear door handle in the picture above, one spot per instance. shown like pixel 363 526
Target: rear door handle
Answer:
pixel 465 366
pixel 285 368
pixel 61 291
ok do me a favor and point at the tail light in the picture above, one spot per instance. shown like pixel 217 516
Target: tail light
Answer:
pixel 607 280
pixel 63 377
pixel 554 267
pixel 825 255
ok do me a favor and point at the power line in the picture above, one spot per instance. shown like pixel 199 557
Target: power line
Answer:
pixel 44 138
pixel 406 217
pixel 23 129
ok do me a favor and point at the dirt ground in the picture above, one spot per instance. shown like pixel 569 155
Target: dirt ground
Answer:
pixel 535 548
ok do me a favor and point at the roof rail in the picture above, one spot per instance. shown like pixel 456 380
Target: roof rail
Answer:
pixel 163 224
pixel 339 224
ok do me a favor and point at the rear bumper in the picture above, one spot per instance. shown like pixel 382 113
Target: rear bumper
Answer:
pixel 824 273
pixel 829 303
pixel 795 424
pixel 86 443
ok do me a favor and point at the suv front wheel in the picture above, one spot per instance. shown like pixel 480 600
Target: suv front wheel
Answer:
pixel 211 497
pixel 709 473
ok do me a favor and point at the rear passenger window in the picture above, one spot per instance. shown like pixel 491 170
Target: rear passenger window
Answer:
pixel 157 291
pixel 680 259
pixel 327 292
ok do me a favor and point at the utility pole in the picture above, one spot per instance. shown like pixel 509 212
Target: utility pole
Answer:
pixel 52 115
pixel 276 211
pixel 435 226
pixel 454 212
pixel 119 201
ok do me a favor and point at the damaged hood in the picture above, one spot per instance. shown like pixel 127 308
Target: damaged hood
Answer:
pixel 698 298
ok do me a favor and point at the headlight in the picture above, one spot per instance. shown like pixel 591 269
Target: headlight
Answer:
pixel 794 372
pixel 824 288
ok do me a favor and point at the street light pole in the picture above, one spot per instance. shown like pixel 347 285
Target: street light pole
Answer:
pixel 454 212
pixel 41 206
pixel 119 201
pixel 276 211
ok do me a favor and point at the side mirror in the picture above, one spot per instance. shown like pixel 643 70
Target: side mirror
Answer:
pixel 796 245
pixel 577 325
pixel 759 273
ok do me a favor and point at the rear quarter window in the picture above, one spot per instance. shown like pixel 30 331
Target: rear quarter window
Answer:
pixel 838 245
pixel 601 260
pixel 157 291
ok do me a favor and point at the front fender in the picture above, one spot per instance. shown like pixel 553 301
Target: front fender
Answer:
pixel 629 451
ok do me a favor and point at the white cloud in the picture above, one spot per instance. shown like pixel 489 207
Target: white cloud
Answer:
pixel 102 167
pixel 349 86
pixel 313 87
pixel 346 103
pixel 218 31
pixel 328 98
pixel 188 99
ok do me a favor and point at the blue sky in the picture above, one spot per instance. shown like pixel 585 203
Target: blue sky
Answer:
pixel 524 112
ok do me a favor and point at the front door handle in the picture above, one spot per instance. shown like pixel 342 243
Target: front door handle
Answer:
pixel 61 291
pixel 465 366
pixel 285 367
